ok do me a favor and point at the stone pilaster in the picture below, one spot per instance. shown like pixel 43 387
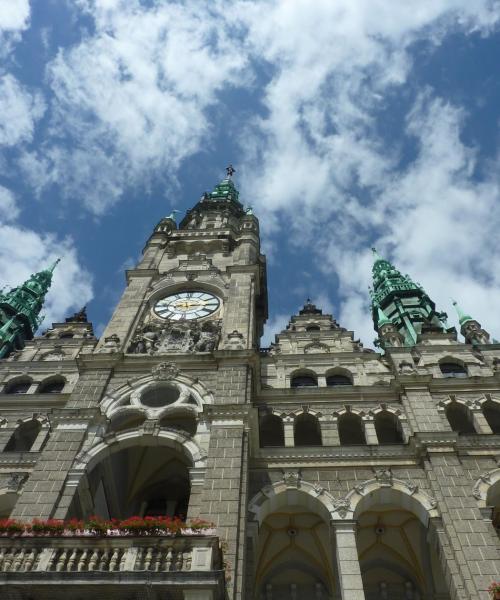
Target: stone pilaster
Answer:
pixel 346 553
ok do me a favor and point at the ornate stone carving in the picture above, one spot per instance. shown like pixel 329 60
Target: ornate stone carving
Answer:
pixel 165 371
pixel 360 488
pixel 316 348
pixel 406 368
pixel 319 489
pixel 181 336
pixel 342 506
pixel 235 341
pixel 384 476
pixel 411 486
pixel 16 481
pixel 111 344
pixel 292 478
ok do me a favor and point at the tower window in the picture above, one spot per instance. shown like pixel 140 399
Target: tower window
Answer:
pixel 388 428
pixel 271 431
pixel 338 380
pixel 351 429
pixel 24 436
pixel 491 411
pixel 18 387
pixel 307 431
pixel 459 418
pixel 304 380
pixel 313 328
pixel 54 386
pixel 452 369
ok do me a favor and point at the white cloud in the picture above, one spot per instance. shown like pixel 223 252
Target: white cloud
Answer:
pixel 14 19
pixel 23 252
pixel 133 97
pixel 8 207
pixel 19 111
pixel 323 159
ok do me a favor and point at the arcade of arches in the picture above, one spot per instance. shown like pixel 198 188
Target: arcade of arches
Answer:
pixel 298 554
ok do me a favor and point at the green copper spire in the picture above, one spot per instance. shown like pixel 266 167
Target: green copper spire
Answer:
pixel 20 310
pixel 399 300
pixel 223 199
pixel 462 316
pixel 226 189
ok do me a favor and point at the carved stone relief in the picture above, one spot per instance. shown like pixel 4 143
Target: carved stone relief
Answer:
pixel 185 337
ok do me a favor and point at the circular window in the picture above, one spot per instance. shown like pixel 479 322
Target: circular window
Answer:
pixel 159 396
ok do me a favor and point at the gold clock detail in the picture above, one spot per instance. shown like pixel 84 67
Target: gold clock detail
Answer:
pixel 187 306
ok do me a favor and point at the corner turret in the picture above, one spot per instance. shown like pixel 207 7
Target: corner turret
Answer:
pixel 470 328
pixel 403 303
pixel 20 310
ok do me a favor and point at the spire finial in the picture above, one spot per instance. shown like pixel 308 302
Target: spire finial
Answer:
pixel 376 255
pixel 230 171
pixel 54 265
pixel 462 316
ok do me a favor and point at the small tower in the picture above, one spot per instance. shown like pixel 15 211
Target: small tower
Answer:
pixel 20 309
pixel 470 328
pixel 404 303
pixel 388 333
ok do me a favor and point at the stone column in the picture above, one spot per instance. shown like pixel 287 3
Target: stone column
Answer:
pixel 346 552
pixel 479 421
pixel 289 437
pixel 370 431
pixel 329 433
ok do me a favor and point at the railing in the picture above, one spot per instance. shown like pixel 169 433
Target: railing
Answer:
pixel 84 554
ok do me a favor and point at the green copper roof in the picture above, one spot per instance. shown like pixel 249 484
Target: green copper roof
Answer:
pixel 20 310
pixel 411 310
pixel 383 319
pixel 462 316
pixel 225 190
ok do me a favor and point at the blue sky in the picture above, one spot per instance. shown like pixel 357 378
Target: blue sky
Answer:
pixel 351 123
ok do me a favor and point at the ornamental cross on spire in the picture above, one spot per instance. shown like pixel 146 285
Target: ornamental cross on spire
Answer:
pixel 230 171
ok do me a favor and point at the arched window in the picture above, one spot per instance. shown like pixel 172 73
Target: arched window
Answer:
pixel 66 335
pixel 307 431
pixel 388 428
pixel 491 411
pixel 52 386
pixel 304 379
pixel 452 369
pixel 24 436
pixel 271 431
pixel 20 386
pixel 338 379
pixel 313 328
pixel 459 418
pixel 351 429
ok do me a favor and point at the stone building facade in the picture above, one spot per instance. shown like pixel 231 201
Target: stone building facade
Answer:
pixel 330 471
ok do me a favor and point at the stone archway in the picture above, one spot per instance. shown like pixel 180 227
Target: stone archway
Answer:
pixel 290 543
pixel 170 448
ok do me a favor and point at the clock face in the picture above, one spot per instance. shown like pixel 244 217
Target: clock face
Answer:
pixel 187 306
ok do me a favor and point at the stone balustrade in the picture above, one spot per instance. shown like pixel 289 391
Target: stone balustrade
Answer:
pixel 189 563
pixel 81 554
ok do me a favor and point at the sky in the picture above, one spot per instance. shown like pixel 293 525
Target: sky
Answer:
pixel 351 124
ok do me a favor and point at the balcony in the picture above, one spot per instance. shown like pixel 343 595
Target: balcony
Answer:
pixel 125 567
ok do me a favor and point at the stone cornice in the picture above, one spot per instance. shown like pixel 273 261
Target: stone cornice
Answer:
pixel 438 442
pixel 344 394
pixel 135 273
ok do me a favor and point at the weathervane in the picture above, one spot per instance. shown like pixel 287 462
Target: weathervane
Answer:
pixel 230 171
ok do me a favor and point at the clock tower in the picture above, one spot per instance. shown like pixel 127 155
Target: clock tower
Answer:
pixel 200 286
pixel 193 311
